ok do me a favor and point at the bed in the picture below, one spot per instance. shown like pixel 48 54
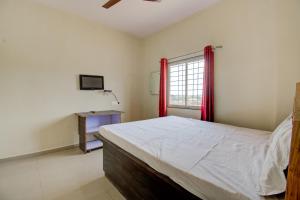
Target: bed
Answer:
pixel 153 159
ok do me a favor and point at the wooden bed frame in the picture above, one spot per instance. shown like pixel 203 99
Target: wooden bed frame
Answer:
pixel 293 184
pixel 136 180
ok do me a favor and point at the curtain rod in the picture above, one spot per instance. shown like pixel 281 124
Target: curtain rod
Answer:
pixel 214 48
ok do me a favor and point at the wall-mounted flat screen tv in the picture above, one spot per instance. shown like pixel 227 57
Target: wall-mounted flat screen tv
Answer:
pixel 91 82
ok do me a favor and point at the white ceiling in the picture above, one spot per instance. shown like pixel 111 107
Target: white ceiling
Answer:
pixel 138 17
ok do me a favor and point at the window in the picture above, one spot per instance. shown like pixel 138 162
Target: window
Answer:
pixel 185 83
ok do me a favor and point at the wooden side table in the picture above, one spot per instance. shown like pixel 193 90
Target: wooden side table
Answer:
pixel 89 124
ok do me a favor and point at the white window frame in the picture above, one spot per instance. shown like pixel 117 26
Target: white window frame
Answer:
pixel 186 85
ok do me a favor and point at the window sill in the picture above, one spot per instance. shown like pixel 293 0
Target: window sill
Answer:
pixel 184 108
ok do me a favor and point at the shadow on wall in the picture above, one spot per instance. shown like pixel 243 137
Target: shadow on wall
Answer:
pixel 195 114
pixel 58 133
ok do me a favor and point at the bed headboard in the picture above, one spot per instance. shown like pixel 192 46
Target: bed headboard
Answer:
pixel 293 182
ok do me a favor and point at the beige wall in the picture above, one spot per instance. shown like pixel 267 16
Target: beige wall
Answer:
pixel 288 55
pixel 42 51
pixel 255 72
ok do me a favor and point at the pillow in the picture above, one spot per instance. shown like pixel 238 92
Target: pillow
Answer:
pixel 272 180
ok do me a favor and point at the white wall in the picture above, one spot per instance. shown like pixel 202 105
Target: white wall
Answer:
pixel 42 52
pixel 255 72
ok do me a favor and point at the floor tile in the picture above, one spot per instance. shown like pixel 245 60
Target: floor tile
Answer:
pixel 65 175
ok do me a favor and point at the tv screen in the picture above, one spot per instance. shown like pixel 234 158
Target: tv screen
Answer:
pixel 89 82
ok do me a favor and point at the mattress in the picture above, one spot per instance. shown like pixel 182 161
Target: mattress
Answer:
pixel 210 160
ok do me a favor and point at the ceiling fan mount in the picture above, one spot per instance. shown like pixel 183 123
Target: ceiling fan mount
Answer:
pixel 111 3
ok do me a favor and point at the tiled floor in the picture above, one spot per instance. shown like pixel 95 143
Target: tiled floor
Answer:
pixel 66 175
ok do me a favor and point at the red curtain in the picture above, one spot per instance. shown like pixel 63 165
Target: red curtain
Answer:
pixel 163 87
pixel 207 107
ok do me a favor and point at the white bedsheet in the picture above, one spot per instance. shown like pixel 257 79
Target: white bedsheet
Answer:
pixel 212 161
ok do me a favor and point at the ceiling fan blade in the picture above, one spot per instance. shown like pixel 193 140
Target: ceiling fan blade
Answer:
pixel 110 3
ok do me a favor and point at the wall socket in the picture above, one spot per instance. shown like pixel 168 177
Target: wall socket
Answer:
pixel 114 103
